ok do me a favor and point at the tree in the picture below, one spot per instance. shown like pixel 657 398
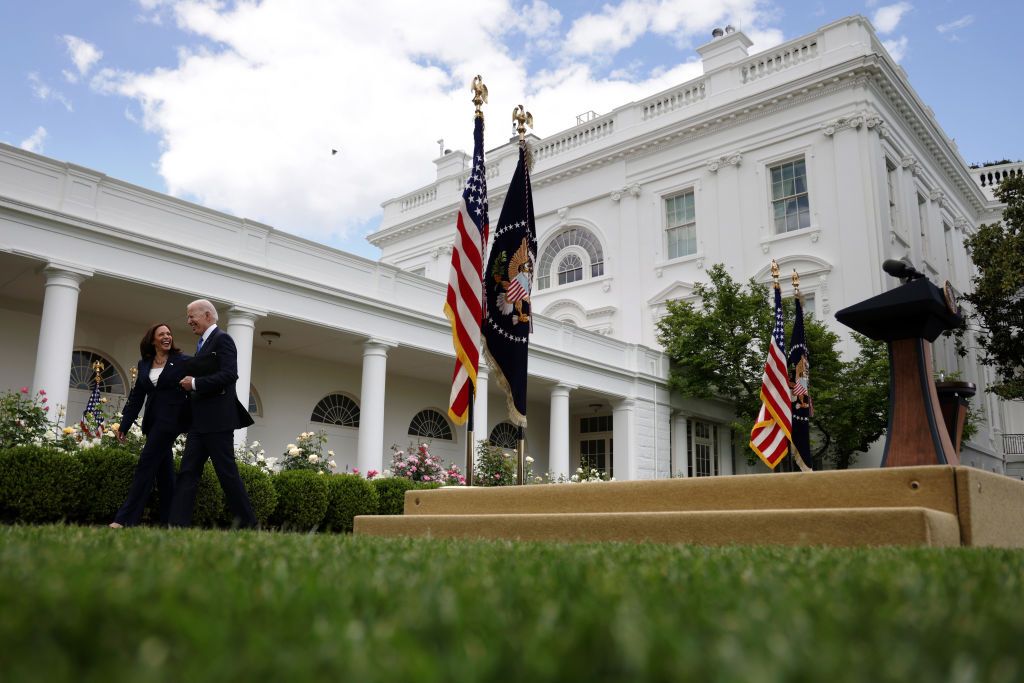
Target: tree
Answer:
pixel 998 297
pixel 718 351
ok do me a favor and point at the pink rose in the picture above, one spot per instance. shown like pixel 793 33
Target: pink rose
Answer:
pixel 24 390
pixel 355 470
pixel 42 392
pixel 46 409
pixel 45 400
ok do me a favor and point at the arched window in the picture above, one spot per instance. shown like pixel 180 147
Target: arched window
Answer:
pixel 430 424
pixel 336 409
pixel 505 435
pixel 82 374
pixel 570 269
pixel 575 242
pixel 255 405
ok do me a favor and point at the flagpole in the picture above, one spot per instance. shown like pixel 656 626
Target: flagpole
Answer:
pixel 469 436
pixel 521 457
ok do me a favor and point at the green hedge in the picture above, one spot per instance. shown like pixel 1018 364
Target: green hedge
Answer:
pixel 301 500
pixel 391 493
pixel 38 484
pixel 348 495
pixel 106 477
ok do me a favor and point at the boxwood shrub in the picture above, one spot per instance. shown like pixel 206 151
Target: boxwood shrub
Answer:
pixel 106 477
pixel 38 484
pixel 348 495
pixel 262 494
pixel 301 500
pixel 391 494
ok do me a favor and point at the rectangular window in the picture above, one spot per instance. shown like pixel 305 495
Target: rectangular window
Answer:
pixel 681 225
pixel 890 182
pixel 922 220
pixel 597 423
pixel 791 207
pixel 702 447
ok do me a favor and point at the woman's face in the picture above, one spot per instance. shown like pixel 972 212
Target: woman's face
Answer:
pixel 163 340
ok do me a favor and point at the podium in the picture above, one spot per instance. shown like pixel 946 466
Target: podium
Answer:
pixel 909 318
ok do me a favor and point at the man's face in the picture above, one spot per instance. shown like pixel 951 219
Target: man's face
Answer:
pixel 198 319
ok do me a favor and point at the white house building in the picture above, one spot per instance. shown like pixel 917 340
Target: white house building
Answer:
pixel 816 153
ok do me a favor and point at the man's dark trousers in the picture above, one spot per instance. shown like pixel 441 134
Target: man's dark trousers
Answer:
pixel 218 447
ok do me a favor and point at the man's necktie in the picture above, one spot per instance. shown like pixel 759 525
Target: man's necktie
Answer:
pixel 199 346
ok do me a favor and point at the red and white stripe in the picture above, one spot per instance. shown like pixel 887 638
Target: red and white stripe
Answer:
pixel 771 433
pixel 463 306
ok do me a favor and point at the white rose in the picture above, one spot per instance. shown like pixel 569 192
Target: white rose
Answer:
pixel 290 447
pixel 529 458
pixel 293 451
pixel 313 458
pixel 333 464
pixel 330 453
pixel 255 444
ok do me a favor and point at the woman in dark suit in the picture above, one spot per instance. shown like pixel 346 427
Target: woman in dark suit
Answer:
pixel 160 370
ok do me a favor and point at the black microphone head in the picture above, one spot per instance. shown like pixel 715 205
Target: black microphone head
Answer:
pixel 895 267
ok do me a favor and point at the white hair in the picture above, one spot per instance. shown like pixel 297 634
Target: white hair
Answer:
pixel 205 306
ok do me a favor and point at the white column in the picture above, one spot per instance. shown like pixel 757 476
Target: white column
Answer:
pixel 481 428
pixel 558 444
pixel 624 434
pixel 370 452
pixel 241 326
pixel 57 333
pixel 680 458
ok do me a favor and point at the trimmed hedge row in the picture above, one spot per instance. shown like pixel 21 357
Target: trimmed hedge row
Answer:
pixel 39 485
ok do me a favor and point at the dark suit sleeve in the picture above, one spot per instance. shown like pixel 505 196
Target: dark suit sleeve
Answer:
pixel 227 372
pixel 135 400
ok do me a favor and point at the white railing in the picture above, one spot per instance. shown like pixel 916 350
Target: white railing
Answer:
pixel 989 177
pixel 788 55
pixel 419 199
pixel 664 103
pixel 575 138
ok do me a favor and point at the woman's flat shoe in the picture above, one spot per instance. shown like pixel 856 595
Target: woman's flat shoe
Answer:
pixel 115 525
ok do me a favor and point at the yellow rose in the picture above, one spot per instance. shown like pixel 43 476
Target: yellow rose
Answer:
pixel 69 430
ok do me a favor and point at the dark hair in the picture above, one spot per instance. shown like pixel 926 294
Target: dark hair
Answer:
pixel 148 344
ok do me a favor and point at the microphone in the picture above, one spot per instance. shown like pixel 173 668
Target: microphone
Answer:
pixel 902 269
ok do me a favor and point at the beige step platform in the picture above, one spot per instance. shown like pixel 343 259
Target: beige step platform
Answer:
pixel 932 506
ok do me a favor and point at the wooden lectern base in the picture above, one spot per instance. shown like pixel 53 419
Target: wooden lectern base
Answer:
pixel 916 434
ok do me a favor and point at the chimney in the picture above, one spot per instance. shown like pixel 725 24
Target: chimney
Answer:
pixel 726 47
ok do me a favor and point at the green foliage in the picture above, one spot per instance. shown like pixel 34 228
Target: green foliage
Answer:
pixel 998 297
pixel 38 484
pixel 391 494
pixel 105 479
pixel 262 494
pixel 209 498
pixel 718 351
pixel 494 466
pixel 852 411
pixel 24 419
pixel 348 495
pixel 200 606
pixel 301 500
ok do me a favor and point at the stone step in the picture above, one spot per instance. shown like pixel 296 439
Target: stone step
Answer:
pixel 927 487
pixel 862 526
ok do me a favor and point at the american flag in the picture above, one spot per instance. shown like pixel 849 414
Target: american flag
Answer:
pixel 771 433
pixel 92 407
pixel 463 304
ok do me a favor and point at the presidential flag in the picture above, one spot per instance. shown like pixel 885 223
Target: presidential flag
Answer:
pixel 771 433
pixel 508 281
pixel 800 361
pixel 463 304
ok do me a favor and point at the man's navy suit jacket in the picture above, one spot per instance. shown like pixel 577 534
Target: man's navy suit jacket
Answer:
pixel 215 405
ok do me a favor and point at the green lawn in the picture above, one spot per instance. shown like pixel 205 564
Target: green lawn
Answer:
pixel 91 604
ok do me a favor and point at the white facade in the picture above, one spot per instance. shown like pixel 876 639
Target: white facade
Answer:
pixel 89 262
pixel 633 205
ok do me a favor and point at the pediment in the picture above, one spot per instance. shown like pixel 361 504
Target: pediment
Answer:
pixel 804 264
pixel 680 289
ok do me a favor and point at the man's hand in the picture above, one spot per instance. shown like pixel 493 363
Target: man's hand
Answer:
pixel 186 383
pixel 120 435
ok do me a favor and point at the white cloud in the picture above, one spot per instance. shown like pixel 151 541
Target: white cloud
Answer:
pixel 247 123
pixel 83 54
pixel 887 18
pixel 962 22
pixel 617 27
pixel 897 48
pixel 34 142
pixel 44 92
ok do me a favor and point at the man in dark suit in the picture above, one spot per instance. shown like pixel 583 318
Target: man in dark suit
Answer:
pixel 216 414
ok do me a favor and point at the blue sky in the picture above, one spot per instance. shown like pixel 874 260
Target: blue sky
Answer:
pixel 237 105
